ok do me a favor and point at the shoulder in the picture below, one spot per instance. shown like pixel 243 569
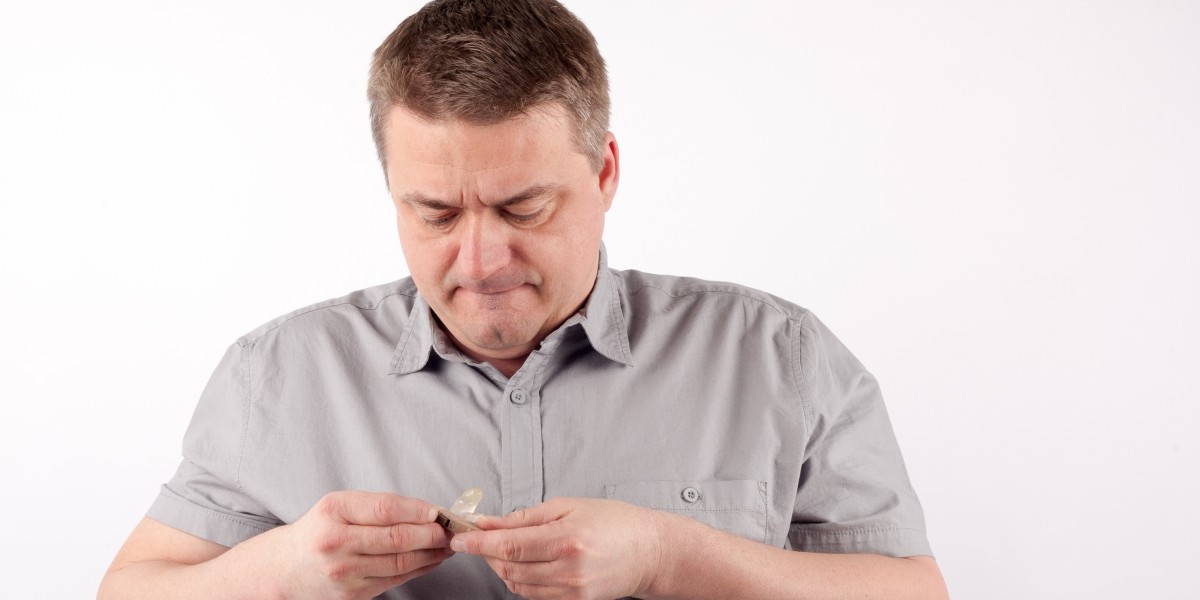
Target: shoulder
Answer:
pixel 382 306
pixel 654 292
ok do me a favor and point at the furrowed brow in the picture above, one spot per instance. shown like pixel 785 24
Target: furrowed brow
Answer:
pixel 536 191
pixel 426 202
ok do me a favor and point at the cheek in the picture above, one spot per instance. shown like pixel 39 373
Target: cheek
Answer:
pixel 423 255
pixel 407 245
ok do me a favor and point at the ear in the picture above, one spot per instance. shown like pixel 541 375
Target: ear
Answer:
pixel 610 171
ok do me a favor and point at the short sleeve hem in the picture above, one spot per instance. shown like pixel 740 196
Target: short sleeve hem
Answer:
pixel 175 511
pixel 886 541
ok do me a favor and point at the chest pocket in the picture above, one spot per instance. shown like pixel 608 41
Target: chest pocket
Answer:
pixel 736 506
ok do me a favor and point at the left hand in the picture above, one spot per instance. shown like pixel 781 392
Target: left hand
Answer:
pixel 571 548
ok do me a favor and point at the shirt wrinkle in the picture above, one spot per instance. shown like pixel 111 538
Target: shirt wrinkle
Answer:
pixel 795 333
pixel 245 430
pixel 733 290
pixel 274 324
pixel 740 414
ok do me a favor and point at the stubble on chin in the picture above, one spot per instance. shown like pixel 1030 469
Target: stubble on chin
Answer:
pixel 489 330
pixel 498 337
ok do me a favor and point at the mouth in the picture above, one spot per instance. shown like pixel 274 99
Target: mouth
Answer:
pixel 496 291
pixel 492 291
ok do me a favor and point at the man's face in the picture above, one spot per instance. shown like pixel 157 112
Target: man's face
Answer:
pixel 500 224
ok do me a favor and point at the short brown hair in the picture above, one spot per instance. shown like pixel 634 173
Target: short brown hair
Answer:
pixel 485 61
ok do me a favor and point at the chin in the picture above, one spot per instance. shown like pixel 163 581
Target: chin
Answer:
pixel 500 336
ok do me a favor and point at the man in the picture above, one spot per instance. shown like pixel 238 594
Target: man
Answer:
pixel 641 435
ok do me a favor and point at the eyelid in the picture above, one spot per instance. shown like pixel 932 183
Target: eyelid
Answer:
pixel 524 217
pixel 439 219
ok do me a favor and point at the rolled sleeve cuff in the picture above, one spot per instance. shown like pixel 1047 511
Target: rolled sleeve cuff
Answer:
pixel 887 541
pixel 175 511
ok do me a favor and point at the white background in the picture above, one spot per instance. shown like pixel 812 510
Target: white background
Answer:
pixel 995 205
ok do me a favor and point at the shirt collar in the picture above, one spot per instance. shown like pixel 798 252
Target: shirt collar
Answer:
pixel 413 350
pixel 602 319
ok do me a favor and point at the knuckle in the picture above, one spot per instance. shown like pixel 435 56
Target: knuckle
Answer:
pixel 338 572
pixel 407 562
pixel 402 563
pixel 327 542
pixel 509 550
pixel 384 510
pixel 575 579
pixel 401 537
pixel 328 504
pixel 525 590
pixel 576 582
pixel 506 570
pixel 572 548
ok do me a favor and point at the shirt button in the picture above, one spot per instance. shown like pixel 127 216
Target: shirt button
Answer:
pixel 690 494
pixel 518 397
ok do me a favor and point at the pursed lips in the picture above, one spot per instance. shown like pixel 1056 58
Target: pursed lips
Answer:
pixel 492 292
pixel 497 284
pixel 495 292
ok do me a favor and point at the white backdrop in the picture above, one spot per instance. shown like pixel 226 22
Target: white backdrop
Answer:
pixel 994 204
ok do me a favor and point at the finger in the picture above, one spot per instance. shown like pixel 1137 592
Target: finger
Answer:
pixel 378 585
pixel 367 508
pixel 395 539
pixel 526 517
pixel 530 544
pixel 395 565
pixel 537 592
pixel 552 574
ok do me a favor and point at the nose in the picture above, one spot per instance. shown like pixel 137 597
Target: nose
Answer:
pixel 484 249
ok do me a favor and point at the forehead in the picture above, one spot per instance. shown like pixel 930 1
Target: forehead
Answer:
pixel 438 153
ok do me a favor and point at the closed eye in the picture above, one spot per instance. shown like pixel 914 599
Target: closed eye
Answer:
pixel 440 221
pixel 523 217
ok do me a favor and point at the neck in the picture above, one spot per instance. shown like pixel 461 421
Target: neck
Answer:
pixel 507 366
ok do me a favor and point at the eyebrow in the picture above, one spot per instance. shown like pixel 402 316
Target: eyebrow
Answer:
pixel 526 194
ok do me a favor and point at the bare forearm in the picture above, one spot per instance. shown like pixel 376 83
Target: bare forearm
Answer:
pixel 233 575
pixel 701 562
pixel 353 545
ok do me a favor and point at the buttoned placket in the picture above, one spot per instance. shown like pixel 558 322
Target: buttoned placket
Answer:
pixel 523 478
pixel 524 482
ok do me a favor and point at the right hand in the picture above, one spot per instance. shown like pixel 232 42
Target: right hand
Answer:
pixel 359 545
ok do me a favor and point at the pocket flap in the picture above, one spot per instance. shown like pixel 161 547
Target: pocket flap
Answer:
pixel 737 506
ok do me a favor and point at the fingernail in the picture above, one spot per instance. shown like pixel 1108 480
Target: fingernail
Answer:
pixel 432 515
pixel 482 520
pixel 458 545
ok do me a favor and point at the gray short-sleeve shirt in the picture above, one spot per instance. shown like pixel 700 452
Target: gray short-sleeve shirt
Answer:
pixel 706 399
